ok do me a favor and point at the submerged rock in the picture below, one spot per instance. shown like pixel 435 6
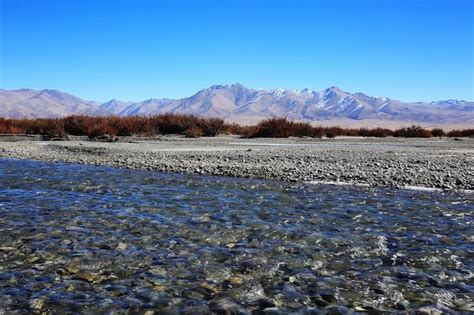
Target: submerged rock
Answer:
pixel 224 306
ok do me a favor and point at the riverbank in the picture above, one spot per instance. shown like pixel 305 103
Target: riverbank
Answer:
pixel 393 162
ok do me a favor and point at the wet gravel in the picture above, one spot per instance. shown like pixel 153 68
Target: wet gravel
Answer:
pixel 435 163
pixel 86 239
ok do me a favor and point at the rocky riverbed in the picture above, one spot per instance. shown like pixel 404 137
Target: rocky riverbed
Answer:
pixel 431 163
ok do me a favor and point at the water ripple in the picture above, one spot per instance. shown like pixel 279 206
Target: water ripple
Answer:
pixel 79 238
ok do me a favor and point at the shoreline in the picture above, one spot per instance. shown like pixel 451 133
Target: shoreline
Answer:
pixel 433 164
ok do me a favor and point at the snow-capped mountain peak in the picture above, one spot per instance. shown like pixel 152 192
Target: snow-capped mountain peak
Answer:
pixel 237 102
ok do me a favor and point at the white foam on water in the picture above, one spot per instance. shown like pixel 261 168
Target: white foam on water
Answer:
pixel 416 188
pixel 323 182
pixel 195 149
pixel 421 188
pixel 433 189
pixel 264 144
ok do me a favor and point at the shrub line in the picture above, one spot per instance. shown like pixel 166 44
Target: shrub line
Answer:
pixel 110 127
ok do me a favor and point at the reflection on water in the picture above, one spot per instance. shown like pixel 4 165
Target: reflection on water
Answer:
pixel 79 238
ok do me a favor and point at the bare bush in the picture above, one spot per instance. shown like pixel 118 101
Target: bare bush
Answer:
pixel 193 126
pixel 412 132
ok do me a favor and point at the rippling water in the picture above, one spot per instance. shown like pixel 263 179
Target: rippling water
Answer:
pixel 77 238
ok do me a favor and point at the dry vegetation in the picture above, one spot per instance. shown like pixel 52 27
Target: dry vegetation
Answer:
pixel 94 127
pixel 192 126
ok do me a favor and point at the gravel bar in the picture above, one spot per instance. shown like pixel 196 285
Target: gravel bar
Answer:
pixel 443 163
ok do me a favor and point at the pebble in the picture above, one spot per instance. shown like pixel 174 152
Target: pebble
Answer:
pixel 334 163
pixel 429 310
pixel 224 306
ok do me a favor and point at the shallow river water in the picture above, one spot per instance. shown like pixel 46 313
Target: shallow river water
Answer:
pixel 89 239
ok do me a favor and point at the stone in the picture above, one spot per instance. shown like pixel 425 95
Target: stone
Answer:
pixel 224 306
pixel 429 310
pixel 272 311
pixel 38 303
pixel 266 303
pixel 339 310
pixel 122 246
pixel 236 280
pixel 88 276
pixel 402 305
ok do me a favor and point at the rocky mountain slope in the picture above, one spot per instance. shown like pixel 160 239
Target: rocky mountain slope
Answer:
pixel 46 103
pixel 238 103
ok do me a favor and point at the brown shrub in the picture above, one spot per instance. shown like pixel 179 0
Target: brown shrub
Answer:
pixel 98 129
pixel 300 129
pixel 332 132
pixel 375 132
pixel 194 132
pixel 211 127
pixel 468 133
pixel 173 123
pixel 412 132
pixel 129 126
pixel 189 125
pixel 318 132
pixel 437 132
pixel 281 127
pixel 9 126
pixel 137 125
pixel 78 125
pixel 461 133
pixel 454 133
pixel 248 131
pixel 48 127
pixel 233 129
pixel 273 128
pixel 81 125
pixel 351 132
pixel 117 126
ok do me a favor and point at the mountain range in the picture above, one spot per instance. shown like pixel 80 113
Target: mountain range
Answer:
pixel 238 103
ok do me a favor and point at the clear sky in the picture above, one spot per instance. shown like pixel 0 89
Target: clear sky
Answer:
pixel 134 50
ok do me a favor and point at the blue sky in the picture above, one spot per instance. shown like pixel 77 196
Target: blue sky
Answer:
pixel 134 50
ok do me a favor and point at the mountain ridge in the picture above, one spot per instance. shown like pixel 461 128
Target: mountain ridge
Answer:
pixel 235 102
